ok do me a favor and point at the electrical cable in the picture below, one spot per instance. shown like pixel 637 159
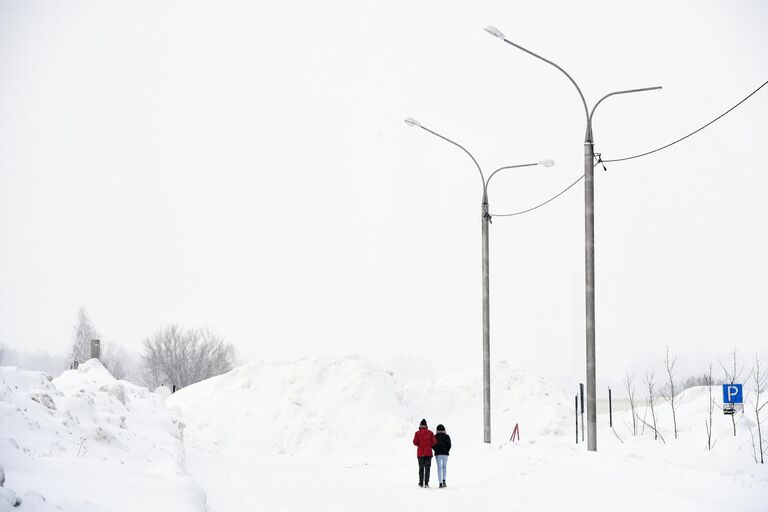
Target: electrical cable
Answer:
pixel 692 133
pixel 600 160
pixel 540 204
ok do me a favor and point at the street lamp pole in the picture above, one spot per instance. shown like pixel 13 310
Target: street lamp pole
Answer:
pixel 485 221
pixel 589 235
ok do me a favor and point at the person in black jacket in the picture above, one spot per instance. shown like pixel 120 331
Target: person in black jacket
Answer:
pixel 441 448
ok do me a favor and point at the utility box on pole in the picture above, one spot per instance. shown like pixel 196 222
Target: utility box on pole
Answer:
pixel 95 349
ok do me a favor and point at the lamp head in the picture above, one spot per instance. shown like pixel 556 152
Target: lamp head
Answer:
pixel 412 122
pixel 494 32
pixel 546 163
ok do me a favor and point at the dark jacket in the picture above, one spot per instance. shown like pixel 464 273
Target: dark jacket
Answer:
pixel 443 445
pixel 424 439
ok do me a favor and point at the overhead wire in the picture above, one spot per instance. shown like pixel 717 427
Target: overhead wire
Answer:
pixel 692 133
pixel 566 189
pixel 601 160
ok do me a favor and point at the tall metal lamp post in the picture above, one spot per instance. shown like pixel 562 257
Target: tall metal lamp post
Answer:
pixel 589 234
pixel 486 217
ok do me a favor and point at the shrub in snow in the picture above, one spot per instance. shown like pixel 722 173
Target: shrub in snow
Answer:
pixel 181 357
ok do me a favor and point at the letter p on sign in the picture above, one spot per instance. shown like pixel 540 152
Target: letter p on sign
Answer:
pixel 732 394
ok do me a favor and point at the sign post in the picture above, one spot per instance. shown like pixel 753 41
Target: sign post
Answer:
pixel 733 394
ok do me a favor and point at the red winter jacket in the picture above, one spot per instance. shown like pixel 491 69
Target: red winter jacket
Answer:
pixel 424 440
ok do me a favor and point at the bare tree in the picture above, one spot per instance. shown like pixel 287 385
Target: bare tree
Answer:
pixel 650 401
pixel 629 385
pixel 669 366
pixel 82 334
pixel 760 381
pixel 151 374
pixel 116 359
pixel 117 368
pixel 180 357
pixel 708 422
pixel 732 375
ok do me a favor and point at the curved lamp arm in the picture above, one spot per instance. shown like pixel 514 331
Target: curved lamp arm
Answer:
pixel 545 163
pixel 412 122
pixel 497 33
pixel 628 91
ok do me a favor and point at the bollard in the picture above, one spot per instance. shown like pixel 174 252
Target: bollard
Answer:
pixel 576 415
pixel 581 392
pixel 610 409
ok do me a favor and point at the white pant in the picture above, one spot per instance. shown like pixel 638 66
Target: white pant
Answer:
pixel 442 467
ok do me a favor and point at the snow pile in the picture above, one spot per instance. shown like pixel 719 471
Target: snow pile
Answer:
pixel 340 430
pixel 85 437
pixel 518 397
pixel 313 406
pixel 333 406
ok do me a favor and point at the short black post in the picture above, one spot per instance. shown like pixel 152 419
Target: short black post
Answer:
pixel 576 415
pixel 173 390
pixel 581 392
pixel 610 409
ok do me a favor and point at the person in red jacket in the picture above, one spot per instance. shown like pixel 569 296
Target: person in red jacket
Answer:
pixel 424 440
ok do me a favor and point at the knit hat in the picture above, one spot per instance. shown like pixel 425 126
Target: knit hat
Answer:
pixel 423 423
pixel 441 428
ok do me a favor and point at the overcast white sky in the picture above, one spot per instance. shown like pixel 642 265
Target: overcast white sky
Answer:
pixel 245 166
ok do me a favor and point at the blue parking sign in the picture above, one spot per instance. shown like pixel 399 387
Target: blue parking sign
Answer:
pixel 732 394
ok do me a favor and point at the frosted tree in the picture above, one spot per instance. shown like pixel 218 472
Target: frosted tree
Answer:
pixel 670 396
pixel 180 357
pixel 82 334
pixel 117 360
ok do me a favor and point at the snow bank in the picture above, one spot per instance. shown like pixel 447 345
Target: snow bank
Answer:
pixel 86 437
pixel 340 431
pixel 518 397
pixel 313 406
pixel 327 405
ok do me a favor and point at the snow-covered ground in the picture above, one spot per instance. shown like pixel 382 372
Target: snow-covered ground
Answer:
pixel 87 442
pixel 335 434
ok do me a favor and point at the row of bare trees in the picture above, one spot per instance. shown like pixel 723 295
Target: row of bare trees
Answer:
pixel 672 390
pixel 172 356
